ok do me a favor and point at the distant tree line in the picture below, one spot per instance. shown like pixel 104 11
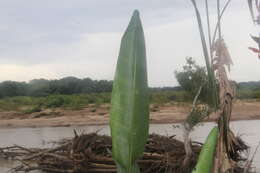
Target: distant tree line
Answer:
pixel 43 87
pixel 251 85
pixel 73 85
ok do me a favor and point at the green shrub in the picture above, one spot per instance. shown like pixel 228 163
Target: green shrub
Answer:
pixel 161 97
pixel 54 101
pixel 248 94
pixel 36 108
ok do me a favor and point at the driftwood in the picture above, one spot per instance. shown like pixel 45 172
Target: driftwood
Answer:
pixel 92 153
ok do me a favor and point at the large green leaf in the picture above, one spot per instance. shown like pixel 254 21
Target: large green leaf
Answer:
pixel 129 119
pixel 206 158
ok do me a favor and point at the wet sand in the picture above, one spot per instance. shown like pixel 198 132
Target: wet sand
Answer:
pixel 93 115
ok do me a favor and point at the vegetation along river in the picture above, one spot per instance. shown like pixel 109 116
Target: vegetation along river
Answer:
pixel 41 137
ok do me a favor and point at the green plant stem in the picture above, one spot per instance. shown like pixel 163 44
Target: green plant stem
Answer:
pixel 211 75
pixel 219 19
pixel 209 30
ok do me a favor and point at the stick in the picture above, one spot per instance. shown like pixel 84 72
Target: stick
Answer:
pixel 46 151
pixel 249 162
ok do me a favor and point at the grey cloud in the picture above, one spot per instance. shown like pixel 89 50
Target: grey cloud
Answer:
pixel 31 23
pixel 39 32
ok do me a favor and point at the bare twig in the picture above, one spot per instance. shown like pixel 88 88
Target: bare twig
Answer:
pixel 90 155
pixel 250 161
pixel 196 97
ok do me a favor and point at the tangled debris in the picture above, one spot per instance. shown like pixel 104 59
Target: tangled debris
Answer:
pixel 92 153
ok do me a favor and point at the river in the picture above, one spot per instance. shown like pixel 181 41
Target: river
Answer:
pixel 41 137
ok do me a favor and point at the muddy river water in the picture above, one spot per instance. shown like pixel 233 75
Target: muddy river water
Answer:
pixel 41 137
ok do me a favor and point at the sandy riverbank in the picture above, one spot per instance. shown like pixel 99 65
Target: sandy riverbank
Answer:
pixel 92 115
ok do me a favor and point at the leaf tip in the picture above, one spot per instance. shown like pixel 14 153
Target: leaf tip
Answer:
pixel 136 13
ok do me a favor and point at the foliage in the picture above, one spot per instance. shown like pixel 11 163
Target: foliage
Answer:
pixel 78 101
pixel 129 118
pixel 36 108
pixel 221 100
pixel 248 94
pixel 197 115
pixel 205 162
pixel 28 104
pixel 161 97
pixel 192 78
pixel 14 92
pixel 43 87
pixel 253 85
pixel 11 88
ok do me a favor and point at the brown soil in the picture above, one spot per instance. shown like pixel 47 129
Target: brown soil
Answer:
pixel 92 115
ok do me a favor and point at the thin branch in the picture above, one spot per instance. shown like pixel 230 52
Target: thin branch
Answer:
pixel 250 161
pixel 220 17
pixel 196 97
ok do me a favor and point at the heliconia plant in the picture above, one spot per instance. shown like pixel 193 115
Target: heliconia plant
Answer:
pixel 129 116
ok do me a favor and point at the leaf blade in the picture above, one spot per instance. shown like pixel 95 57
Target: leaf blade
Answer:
pixel 130 105
pixel 206 158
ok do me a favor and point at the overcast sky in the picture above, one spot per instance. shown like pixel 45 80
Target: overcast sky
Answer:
pixel 58 38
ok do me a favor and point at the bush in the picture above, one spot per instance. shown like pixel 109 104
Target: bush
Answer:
pixel 36 108
pixel 76 101
pixel 192 77
pixel 54 101
pixel 161 97
pixel 248 94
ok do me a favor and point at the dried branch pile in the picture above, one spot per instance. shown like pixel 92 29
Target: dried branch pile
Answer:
pixel 92 153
